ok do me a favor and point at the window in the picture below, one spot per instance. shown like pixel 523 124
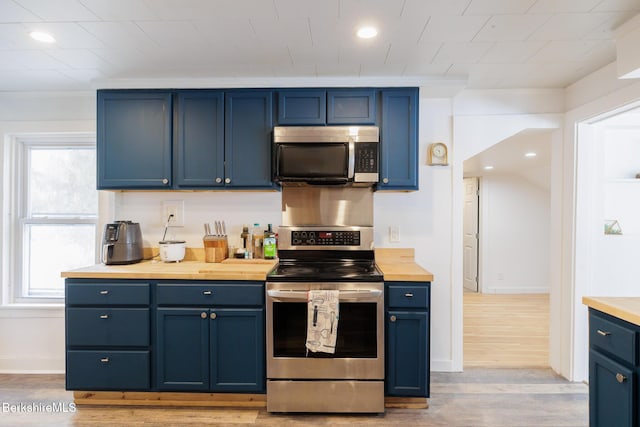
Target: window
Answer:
pixel 56 206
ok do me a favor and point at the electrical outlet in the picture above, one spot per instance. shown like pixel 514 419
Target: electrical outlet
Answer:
pixel 175 208
pixel 394 234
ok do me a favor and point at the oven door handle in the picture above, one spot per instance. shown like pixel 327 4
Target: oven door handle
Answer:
pixel 353 295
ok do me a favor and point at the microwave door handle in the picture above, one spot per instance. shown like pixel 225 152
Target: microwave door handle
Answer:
pixel 352 159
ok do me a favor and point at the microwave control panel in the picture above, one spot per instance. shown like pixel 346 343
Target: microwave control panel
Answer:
pixel 325 238
pixel 366 157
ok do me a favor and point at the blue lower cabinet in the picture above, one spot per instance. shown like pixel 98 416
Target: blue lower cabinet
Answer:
pixel 407 354
pixel 237 350
pixel 107 370
pixel 203 349
pixel 407 358
pixel 611 393
pixel 182 349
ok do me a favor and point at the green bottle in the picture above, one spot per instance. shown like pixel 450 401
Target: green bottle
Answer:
pixel 269 243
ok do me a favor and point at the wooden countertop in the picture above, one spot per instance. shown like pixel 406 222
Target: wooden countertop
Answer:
pixel 395 264
pixel 625 308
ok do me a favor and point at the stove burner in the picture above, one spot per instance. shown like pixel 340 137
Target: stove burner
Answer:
pixel 307 270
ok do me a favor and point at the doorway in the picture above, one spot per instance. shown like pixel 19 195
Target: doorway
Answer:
pixel 506 238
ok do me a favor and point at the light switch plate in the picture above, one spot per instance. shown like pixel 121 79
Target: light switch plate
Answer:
pixel 394 234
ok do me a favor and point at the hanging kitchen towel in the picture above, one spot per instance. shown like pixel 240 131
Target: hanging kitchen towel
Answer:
pixel 322 320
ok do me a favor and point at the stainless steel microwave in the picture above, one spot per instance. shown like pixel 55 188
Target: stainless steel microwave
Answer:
pixel 326 154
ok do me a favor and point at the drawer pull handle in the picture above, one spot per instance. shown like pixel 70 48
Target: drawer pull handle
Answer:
pixel 203 315
pixel 213 315
pixel 105 360
pixel 104 316
pixel 105 292
pixel 207 293
pixel 603 333
pixel 620 378
pixel 393 318
pixel 408 295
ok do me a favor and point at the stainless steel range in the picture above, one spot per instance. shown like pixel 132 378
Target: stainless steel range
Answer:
pixel 325 354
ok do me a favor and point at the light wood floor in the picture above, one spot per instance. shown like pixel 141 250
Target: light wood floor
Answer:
pixel 504 330
pixel 474 398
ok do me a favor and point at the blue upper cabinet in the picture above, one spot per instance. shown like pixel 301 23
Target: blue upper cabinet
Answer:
pixel 134 139
pixel 247 136
pixel 351 107
pixel 399 140
pixel 198 155
pixel 302 107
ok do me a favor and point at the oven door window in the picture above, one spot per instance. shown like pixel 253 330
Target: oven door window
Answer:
pixel 356 331
pixel 312 161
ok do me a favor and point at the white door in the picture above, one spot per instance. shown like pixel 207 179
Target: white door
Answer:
pixel 470 231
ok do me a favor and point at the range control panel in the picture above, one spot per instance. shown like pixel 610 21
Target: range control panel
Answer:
pixel 325 238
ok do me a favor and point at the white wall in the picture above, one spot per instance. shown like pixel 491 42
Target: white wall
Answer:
pixel 32 338
pixel 514 235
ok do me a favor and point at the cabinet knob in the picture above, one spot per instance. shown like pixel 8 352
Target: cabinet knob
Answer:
pixel 213 315
pixel 207 292
pixel 165 181
pixel 603 333
pixel 393 318
pixel 385 180
pixel 408 295
pixel 105 360
pixel 105 292
pixel 203 315
pixel 104 316
pixel 227 180
pixel 218 180
pixel 620 378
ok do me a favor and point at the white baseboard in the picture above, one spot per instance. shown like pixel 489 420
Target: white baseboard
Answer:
pixel 516 290
pixel 442 366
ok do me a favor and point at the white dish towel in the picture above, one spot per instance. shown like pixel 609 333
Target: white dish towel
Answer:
pixel 322 320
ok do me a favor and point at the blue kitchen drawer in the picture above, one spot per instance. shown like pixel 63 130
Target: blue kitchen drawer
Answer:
pixel 107 293
pixel 108 370
pixel 612 337
pixel 107 326
pixel 408 296
pixel 244 294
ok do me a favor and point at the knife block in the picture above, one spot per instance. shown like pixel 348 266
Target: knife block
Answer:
pixel 216 248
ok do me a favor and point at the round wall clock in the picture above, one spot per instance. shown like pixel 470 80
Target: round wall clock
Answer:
pixel 438 154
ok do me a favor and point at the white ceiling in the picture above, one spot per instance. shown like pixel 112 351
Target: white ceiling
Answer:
pixel 484 43
pixel 508 158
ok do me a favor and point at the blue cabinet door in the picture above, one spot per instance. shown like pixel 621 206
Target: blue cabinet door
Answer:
pixel 248 127
pixel 302 107
pixel 407 355
pixel 351 107
pixel 134 139
pixel 612 393
pixel 198 155
pixel 399 140
pixel 237 350
pixel 182 349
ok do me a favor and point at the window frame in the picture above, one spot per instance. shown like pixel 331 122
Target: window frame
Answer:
pixel 20 211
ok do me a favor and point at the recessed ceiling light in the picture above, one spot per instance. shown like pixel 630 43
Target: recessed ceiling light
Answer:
pixel 530 154
pixel 367 32
pixel 42 37
pixel 488 168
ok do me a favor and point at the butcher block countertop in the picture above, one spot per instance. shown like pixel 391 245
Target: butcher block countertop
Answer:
pixel 625 308
pixel 395 264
